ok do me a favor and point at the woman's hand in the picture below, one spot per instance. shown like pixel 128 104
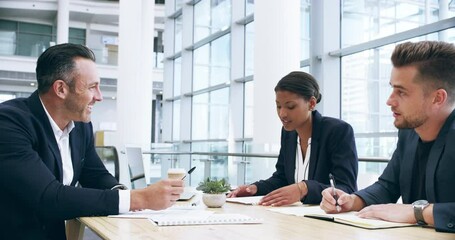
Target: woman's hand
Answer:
pixel 285 195
pixel 243 191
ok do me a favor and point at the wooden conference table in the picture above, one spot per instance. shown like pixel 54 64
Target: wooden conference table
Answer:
pixel 275 226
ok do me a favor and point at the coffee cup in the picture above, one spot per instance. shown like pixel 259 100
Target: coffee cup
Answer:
pixel 176 173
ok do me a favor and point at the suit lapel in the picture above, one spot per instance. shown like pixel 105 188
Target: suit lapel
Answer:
pixel 75 146
pixel 290 155
pixel 37 109
pixel 435 157
pixel 315 134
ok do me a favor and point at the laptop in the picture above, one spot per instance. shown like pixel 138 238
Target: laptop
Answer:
pixel 187 195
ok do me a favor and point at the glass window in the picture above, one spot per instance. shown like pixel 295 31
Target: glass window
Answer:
pixel 210 17
pixel 31 39
pixel 178 34
pixel 158 49
pixel 176 120
pixel 249 7
pixel 305 29
pixel 218 164
pixel 177 76
pixel 365 20
pixel 249 49
pixel 6 97
pixel 365 90
pixel 178 4
pixel 76 36
pixel 248 110
pixel 212 63
pixel 210 115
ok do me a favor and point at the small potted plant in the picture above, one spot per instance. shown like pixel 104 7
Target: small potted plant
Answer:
pixel 214 191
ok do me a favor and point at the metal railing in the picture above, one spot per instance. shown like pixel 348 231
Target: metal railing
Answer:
pixel 258 155
pixel 242 163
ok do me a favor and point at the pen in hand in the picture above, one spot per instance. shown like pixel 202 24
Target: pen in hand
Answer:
pixel 189 172
pixel 334 194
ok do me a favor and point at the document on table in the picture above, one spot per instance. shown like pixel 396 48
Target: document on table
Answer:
pixel 174 217
pixel 254 200
pixel 349 218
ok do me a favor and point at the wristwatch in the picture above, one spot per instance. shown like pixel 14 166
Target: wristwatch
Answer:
pixel 418 207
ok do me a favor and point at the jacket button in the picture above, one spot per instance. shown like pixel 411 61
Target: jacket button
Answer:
pixel 450 225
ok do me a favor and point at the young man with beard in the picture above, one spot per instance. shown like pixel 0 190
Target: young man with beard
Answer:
pixel 422 167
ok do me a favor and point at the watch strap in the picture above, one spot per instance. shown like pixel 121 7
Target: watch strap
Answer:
pixel 418 213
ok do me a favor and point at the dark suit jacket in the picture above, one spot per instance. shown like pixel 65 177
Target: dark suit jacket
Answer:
pixel 332 151
pixel 396 179
pixel 34 201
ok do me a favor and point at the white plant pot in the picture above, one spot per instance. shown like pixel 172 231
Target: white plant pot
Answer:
pixel 214 200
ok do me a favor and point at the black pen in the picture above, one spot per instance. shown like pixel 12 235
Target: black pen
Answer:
pixel 334 194
pixel 189 172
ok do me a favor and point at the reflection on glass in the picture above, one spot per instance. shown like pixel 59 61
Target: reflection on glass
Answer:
pixel 259 168
pixel 364 20
pixel 218 165
pixel 248 110
pixel 177 76
pixel 365 89
pixel 176 120
pixel 178 4
pixel 249 49
pixel 249 7
pixel 305 29
pixel 211 17
pixel 210 115
pixel 212 63
pixel 178 34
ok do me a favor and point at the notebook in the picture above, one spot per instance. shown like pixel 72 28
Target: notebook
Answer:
pixel 186 195
pixel 189 216
pixel 245 200
pixel 210 219
pixel 350 218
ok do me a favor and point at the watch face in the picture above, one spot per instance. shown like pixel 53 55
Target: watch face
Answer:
pixel 420 203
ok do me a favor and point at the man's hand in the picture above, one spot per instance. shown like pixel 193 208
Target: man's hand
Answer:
pixel 346 202
pixel 402 213
pixel 160 195
pixel 243 191
pixel 285 195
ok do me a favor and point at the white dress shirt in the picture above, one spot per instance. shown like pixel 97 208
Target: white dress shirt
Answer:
pixel 301 166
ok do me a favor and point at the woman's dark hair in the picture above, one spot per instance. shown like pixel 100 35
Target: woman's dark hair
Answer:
pixel 300 83
pixel 57 63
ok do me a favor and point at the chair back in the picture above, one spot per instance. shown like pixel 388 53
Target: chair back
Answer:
pixel 136 166
pixel 109 156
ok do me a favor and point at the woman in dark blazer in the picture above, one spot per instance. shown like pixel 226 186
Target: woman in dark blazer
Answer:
pixel 312 147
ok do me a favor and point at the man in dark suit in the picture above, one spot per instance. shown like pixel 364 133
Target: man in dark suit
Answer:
pixel 47 147
pixel 422 167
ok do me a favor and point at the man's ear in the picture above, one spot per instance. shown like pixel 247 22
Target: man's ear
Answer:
pixel 440 97
pixel 60 88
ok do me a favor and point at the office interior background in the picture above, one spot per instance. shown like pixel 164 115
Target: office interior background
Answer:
pixel 191 82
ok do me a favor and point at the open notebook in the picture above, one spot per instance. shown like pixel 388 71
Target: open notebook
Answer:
pixel 348 218
pixel 189 216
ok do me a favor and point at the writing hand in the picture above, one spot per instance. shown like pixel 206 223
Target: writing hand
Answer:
pixel 329 203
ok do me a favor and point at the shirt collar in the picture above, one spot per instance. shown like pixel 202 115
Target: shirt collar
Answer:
pixel 57 131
